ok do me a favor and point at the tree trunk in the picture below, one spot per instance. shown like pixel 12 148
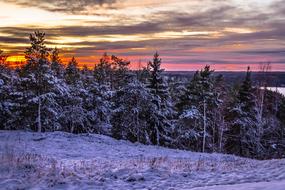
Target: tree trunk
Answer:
pixel 204 119
pixel 39 116
pixel 157 136
pixel 260 116
pixel 221 135
pixel 137 122
pixel 260 110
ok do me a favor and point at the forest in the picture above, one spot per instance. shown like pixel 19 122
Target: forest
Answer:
pixel 204 114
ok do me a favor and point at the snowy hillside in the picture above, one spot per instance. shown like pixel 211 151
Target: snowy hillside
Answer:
pixel 66 161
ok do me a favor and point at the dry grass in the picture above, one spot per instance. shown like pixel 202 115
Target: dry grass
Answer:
pixel 29 170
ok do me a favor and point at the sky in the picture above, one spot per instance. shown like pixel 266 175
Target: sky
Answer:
pixel 229 35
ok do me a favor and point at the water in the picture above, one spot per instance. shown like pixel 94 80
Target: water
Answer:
pixel 279 89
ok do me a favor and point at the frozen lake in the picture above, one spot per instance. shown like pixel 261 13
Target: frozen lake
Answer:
pixel 279 89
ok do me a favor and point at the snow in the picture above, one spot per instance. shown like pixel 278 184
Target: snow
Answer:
pixel 190 113
pixel 276 185
pixel 278 89
pixel 61 160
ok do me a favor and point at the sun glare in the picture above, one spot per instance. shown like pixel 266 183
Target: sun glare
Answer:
pixel 16 58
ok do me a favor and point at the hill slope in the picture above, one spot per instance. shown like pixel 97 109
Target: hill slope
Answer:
pixel 66 161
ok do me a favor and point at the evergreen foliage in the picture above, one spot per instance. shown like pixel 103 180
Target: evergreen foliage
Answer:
pixel 146 106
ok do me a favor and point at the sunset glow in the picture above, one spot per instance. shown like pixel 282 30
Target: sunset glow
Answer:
pixel 16 58
pixel 229 35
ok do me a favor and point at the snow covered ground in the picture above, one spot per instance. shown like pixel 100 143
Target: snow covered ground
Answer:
pixel 66 161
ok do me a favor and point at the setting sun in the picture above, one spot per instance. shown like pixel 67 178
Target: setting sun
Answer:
pixel 227 31
pixel 16 58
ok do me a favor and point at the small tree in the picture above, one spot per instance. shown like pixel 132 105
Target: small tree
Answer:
pixel 72 74
pixel 6 89
pixel 3 65
pixel 56 63
pixel 39 86
pixel 121 72
pixel 160 91
pixel 103 71
pixel 200 99
pixel 243 137
pixel 136 116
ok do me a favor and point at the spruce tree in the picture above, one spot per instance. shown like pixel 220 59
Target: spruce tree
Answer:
pixel 159 88
pixel 156 83
pixel 103 71
pixel 136 117
pixel 246 96
pixel 56 63
pixel 72 74
pixel 39 87
pixel 243 137
pixel 161 97
pixel 121 71
pixel 5 89
pixel 196 108
pixel 3 65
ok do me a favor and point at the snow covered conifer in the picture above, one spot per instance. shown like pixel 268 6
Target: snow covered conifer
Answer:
pixel 72 74
pixel 103 71
pixel 96 102
pixel 121 71
pixel 160 91
pixel 3 65
pixel 156 84
pixel 159 88
pixel 136 116
pixel 196 107
pixel 39 87
pixel 5 89
pixel 56 63
pixel 243 137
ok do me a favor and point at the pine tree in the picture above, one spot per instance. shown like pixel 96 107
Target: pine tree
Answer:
pixel 161 97
pixel 72 74
pixel 5 90
pixel 56 63
pixel 73 108
pixel 121 71
pixel 36 52
pixel 98 108
pixel 156 84
pixel 159 88
pixel 39 87
pixel 246 96
pixel 103 71
pixel 143 74
pixel 243 137
pixel 3 65
pixel 86 76
pixel 196 107
pixel 136 118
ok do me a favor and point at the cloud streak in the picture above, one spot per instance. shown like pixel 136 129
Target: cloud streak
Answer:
pixel 203 32
pixel 66 6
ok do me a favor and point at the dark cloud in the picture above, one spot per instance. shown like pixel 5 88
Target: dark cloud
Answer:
pixel 67 6
pixel 265 51
pixel 269 25
pixel 278 7
pixel 160 22
pixel 12 40
pixel 142 28
pixel 212 19
pixel 209 18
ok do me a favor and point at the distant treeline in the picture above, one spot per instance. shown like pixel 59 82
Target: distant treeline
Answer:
pixel 275 79
pixel 203 113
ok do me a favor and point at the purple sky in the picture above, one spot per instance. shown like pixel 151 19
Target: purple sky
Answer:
pixel 227 34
